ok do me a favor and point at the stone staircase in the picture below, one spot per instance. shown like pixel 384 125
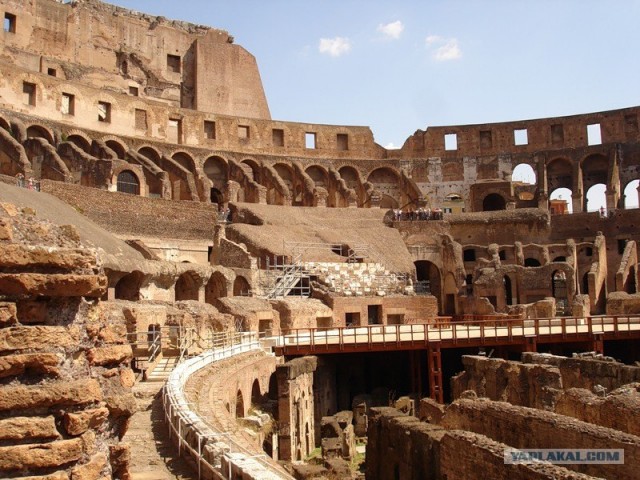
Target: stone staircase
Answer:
pixel 162 370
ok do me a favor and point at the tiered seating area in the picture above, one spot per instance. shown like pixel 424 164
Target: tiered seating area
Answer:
pixel 359 279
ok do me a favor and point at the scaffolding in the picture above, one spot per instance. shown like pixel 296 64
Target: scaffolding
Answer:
pixel 290 275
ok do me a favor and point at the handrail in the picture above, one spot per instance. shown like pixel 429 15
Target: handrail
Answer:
pixel 442 329
pixel 192 432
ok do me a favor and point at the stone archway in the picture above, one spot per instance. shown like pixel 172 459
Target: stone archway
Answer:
pixel 187 287
pixel 216 288
pixel 241 287
pixel 493 202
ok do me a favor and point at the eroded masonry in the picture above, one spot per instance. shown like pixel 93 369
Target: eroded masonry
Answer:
pixel 192 289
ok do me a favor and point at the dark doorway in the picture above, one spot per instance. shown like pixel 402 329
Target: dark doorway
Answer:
pixel 375 314
pixel 507 290
pixel 493 202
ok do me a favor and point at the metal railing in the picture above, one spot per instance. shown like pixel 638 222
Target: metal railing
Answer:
pixel 470 331
pixel 152 346
pixel 192 433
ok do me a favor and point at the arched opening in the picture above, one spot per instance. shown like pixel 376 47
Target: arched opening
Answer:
pixel 216 170
pixel 128 183
pixel 239 405
pixel 185 160
pixel 150 153
pixel 187 287
pixel 531 262
pixel 560 259
pixel 216 288
pixel 36 131
pixel 387 182
pixel 559 174
pixel 597 198
pixel 508 292
pixel 128 287
pixel 80 142
pixel 595 170
pixel 256 396
pixel 560 201
pixel 524 173
pixel 631 194
pixel 241 287
pixel 453 203
pixel 318 175
pixel 427 279
pixel 493 202
pixel 387 202
pixel 119 149
pixel 216 196
pixel 255 168
pixel 350 176
pixel 285 173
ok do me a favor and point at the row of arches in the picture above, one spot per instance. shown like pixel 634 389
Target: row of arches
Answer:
pixel 590 176
pixel 187 287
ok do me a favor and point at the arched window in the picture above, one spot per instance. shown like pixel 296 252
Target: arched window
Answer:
pixel 493 202
pixel 128 183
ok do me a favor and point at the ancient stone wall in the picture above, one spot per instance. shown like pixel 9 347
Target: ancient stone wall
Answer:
pixel 521 427
pixel 296 421
pixel 400 446
pixel 528 385
pixel 95 43
pixel 618 410
pixel 64 376
pixel 588 372
pixel 542 134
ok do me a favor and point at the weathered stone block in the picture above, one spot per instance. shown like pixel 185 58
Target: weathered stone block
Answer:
pixel 90 470
pixel 430 411
pixel 6 229
pixel 45 363
pixel 19 256
pixel 127 378
pixel 61 393
pixel 21 428
pixel 76 423
pixel 40 337
pixel 120 457
pixel 41 455
pixel 54 285
pixel 110 354
pixel 8 314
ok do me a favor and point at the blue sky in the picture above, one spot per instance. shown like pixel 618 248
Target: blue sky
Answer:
pixel 404 65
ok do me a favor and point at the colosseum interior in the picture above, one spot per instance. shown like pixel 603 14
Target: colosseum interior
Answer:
pixel 191 289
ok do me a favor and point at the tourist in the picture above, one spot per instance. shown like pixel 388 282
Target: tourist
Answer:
pixel 20 180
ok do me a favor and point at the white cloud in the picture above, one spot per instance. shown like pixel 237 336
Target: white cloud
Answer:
pixel 390 146
pixel 431 39
pixel 335 46
pixel 391 30
pixel 443 48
